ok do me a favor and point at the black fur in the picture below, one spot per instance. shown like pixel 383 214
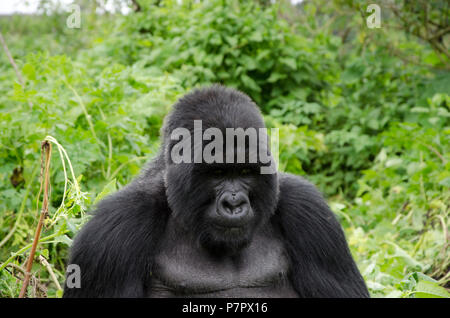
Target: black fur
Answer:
pixel 116 249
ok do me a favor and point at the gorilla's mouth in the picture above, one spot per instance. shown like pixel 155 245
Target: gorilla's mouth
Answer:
pixel 231 230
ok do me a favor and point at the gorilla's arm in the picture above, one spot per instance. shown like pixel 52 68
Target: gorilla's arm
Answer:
pixel 115 249
pixel 322 265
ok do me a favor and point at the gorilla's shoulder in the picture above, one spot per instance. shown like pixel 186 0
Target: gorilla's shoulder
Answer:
pixel 315 243
pixel 291 184
pixel 300 197
pixel 144 195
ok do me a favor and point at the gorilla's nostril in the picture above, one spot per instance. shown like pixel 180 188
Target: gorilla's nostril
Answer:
pixel 228 207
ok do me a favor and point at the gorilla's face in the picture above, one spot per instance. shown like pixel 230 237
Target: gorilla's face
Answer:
pixel 222 204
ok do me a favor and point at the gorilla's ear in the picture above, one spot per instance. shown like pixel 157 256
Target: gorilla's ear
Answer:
pixel 321 262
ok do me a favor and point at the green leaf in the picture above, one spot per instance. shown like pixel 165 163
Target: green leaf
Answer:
pixel 63 239
pixel 289 61
pixel 274 77
pixel 44 253
pixel 29 71
pixel 426 289
pixel 108 189
pixel 445 182
pixel 420 110
pixel 250 83
pixel 233 41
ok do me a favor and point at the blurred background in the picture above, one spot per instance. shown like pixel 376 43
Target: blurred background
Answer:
pixel 360 95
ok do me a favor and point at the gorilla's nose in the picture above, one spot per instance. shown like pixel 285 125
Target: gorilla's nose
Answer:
pixel 234 205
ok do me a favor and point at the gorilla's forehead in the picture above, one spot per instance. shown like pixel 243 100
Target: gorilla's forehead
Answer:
pixel 240 116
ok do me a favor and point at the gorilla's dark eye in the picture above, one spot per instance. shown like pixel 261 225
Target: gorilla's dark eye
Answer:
pixel 246 171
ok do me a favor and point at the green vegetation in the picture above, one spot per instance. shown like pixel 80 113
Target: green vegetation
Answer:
pixel 363 113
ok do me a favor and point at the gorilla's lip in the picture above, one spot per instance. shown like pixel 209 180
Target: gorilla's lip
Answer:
pixel 230 229
pixel 227 223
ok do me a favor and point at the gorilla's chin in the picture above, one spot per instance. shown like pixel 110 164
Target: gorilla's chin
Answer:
pixel 224 240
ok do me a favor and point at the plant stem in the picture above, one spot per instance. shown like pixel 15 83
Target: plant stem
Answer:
pixel 47 149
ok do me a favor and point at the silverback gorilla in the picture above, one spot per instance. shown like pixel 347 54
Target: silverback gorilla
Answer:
pixel 216 229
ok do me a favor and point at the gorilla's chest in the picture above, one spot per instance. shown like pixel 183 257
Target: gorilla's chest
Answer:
pixel 185 271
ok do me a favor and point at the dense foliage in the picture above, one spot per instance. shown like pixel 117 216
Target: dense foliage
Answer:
pixel 368 126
